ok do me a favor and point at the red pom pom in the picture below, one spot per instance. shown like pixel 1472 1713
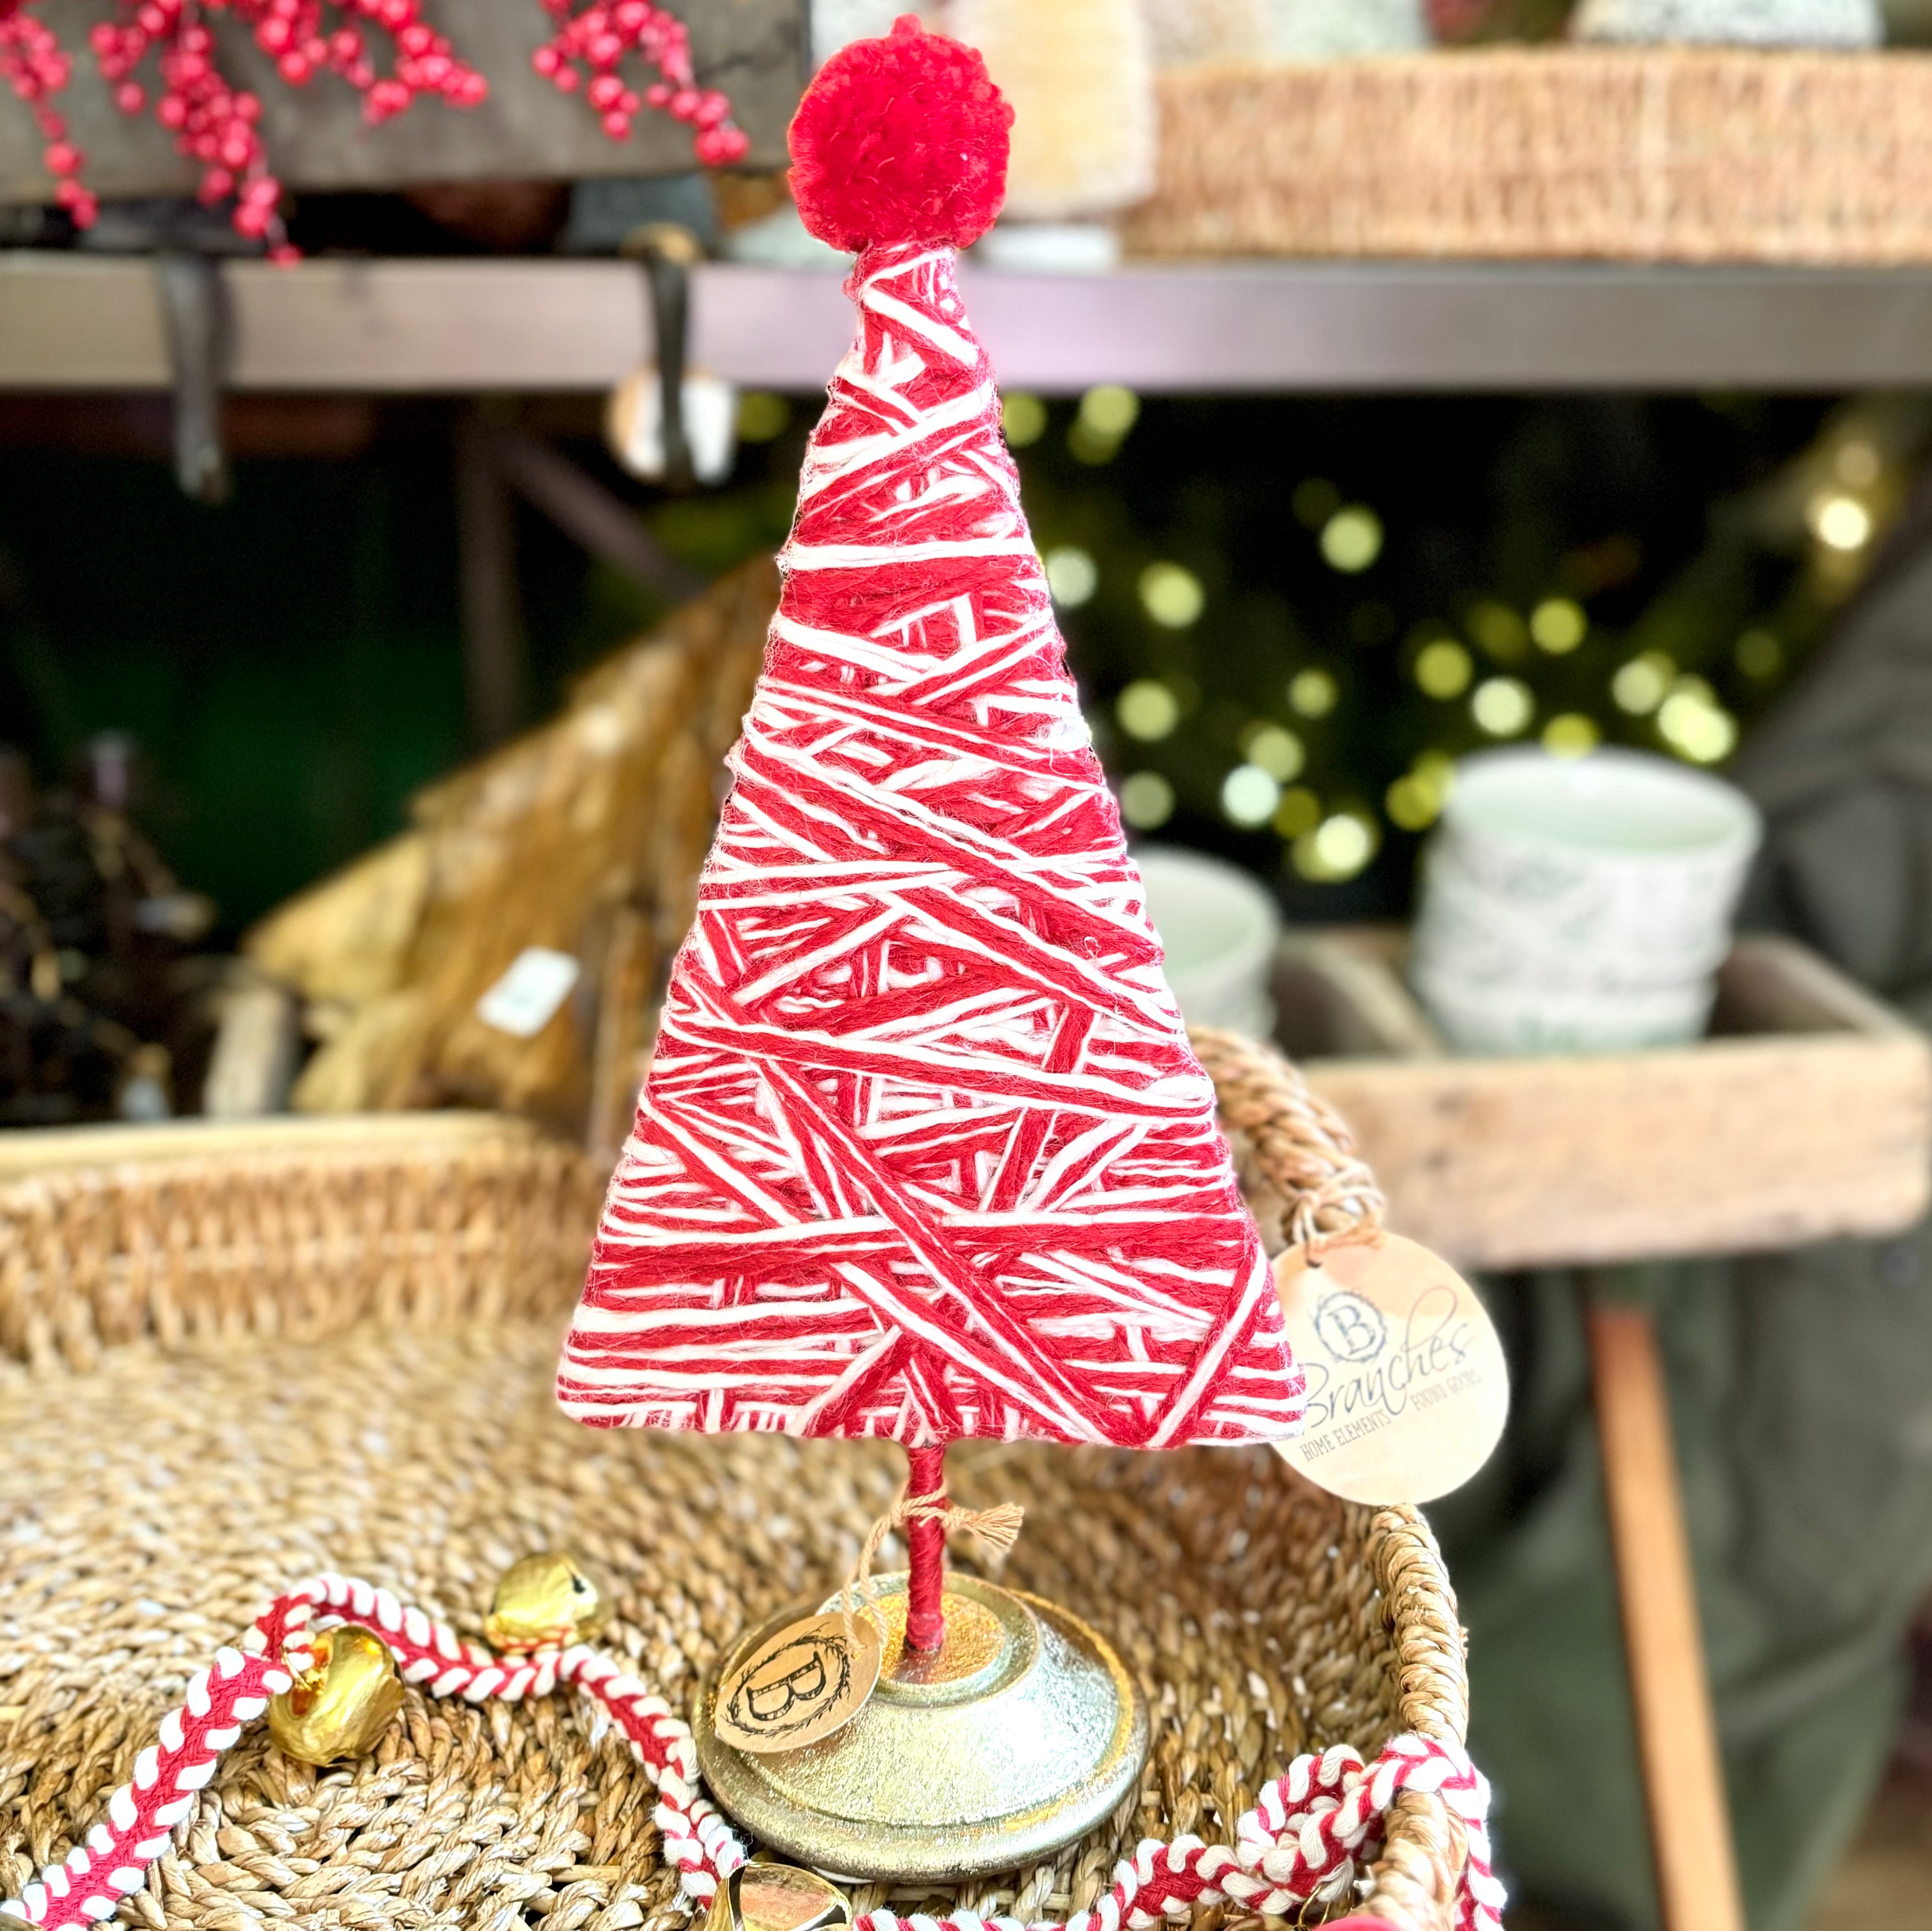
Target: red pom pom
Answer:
pixel 900 139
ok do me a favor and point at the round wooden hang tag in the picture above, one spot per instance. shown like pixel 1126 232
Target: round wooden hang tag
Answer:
pixel 811 1678
pixel 1407 1390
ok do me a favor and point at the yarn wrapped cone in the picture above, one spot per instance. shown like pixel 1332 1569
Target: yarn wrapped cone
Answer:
pixel 922 1152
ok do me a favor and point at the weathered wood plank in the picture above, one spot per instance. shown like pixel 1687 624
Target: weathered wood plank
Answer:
pixel 1769 1137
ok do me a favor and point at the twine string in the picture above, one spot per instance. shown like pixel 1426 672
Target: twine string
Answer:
pixel 998 1527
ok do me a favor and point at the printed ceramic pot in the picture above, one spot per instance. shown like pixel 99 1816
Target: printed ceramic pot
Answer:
pixel 1579 904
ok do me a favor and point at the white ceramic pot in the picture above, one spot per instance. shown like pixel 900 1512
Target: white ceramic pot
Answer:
pixel 1579 904
pixel 1493 931
pixel 1512 1020
pixel 1759 23
pixel 1219 928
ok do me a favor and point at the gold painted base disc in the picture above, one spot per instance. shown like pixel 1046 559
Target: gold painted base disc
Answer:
pixel 1020 1735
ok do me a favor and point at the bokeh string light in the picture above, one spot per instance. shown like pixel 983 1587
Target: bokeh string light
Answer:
pixel 1072 575
pixel 1172 595
pixel 1106 415
pixel 1294 665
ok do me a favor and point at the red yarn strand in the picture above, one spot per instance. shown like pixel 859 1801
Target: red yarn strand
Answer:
pixel 925 1546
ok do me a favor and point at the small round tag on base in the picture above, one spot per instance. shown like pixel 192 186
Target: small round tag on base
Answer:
pixel 1408 1389
pixel 809 1680
pixel 1019 1734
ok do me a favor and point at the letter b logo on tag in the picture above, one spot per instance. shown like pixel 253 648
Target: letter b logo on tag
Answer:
pixel 1351 1328
pixel 1407 1390
pixel 802 1684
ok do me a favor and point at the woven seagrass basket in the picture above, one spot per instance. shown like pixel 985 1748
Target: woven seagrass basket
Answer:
pixel 223 1367
pixel 1669 154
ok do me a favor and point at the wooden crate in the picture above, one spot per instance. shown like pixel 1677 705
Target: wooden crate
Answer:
pixel 1807 1113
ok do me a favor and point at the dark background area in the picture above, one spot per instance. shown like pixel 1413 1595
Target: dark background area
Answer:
pixel 291 662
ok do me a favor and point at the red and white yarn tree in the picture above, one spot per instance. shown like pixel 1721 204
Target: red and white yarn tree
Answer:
pixel 923 1151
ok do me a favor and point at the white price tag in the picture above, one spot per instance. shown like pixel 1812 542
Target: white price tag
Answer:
pixel 525 999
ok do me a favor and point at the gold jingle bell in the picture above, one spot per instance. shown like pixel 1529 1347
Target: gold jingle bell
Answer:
pixel 546 1602
pixel 761 1896
pixel 341 1707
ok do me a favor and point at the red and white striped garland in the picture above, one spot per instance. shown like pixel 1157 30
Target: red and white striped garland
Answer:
pixel 1307 1837
pixel 88 1885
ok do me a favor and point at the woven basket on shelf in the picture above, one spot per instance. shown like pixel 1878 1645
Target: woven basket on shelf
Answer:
pixel 1669 154
pixel 222 1368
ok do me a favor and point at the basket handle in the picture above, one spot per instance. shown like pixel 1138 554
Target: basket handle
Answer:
pixel 1298 1140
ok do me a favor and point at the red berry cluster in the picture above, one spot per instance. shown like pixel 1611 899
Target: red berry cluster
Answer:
pixel 292 31
pixel 216 122
pixel 32 63
pixel 599 37
pixel 211 119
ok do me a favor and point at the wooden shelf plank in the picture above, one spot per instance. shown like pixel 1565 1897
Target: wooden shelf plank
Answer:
pixel 1810 1116
pixel 73 321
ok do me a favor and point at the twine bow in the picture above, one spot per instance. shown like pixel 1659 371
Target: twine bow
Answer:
pixel 998 1527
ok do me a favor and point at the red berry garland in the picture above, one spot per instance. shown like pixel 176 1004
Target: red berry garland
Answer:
pixel 599 37
pixel 32 63
pixel 217 123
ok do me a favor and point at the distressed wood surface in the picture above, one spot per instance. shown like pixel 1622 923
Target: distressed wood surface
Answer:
pixel 1810 1115
pixel 754 49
